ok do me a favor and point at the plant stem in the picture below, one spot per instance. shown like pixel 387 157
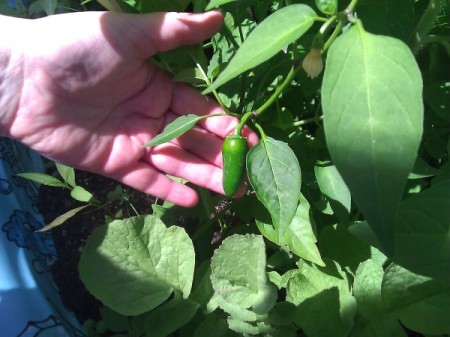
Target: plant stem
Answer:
pixel 351 6
pixel 314 119
pixel 208 82
pixel 261 132
pixel 424 26
pixel 333 36
pixel 238 130
pixel 290 76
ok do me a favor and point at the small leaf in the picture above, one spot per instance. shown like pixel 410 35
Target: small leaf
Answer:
pixel 217 3
pixel 268 38
pixel 62 218
pixel 274 173
pixel 373 116
pixel 117 6
pixel 175 129
pixel 299 235
pixel 67 173
pixel 43 179
pixel 327 6
pixel 133 265
pixel 190 75
pixel 81 194
pixel 333 187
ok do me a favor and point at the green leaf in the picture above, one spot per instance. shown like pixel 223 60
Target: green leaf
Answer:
pixel 217 3
pixel 350 254
pixel 190 75
pixel 67 173
pixel 133 265
pixel 437 96
pixel 268 38
pixel 299 235
pixel 367 288
pixel 238 273
pixel 62 218
pixel 325 305
pixel 169 317
pixel 211 326
pixel 80 194
pixel 150 6
pixel 373 113
pixel 274 173
pixel 381 327
pixel 333 187
pixel 117 6
pixel 422 237
pixel 113 320
pixel 422 170
pixel 386 17
pixel 421 303
pixel 43 179
pixel 327 6
pixel 175 129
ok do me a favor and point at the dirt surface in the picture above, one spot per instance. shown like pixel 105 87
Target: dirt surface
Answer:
pixel 71 237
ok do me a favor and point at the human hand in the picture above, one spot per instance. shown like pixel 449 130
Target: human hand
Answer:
pixel 89 98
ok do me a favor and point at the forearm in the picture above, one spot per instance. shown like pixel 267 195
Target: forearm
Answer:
pixel 11 70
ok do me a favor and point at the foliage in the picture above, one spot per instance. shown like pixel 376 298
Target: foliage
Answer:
pixel 345 228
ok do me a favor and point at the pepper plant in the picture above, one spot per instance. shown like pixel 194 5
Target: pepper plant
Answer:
pixel 345 226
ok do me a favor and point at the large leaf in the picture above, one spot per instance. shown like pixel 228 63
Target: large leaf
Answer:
pixel 274 173
pixel 238 274
pixel 133 265
pixel 373 113
pixel 268 38
pixel 422 240
pixel 325 305
pixel 421 303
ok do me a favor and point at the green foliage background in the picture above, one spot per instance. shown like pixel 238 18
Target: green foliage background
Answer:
pixel 345 230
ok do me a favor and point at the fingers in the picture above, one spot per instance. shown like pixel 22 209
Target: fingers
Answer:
pixel 148 180
pixel 156 32
pixel 175 161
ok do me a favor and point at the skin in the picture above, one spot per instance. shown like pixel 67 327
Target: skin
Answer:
pixel 79 89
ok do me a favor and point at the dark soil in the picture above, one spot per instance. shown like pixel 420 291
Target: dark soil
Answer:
pixel 71 237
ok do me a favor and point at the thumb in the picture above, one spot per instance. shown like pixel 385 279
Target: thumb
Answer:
pixel 156 32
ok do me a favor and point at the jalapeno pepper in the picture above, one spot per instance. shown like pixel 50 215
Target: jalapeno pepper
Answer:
pixel 234 152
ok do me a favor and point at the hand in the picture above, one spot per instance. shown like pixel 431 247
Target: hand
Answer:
pixel 89 98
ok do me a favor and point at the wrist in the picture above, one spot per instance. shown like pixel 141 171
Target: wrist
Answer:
pixel 11 71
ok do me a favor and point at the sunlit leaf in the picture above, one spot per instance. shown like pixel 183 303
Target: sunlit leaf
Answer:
pixel 373 113
pixel 133 265
pixel 274 173
pixel 268 38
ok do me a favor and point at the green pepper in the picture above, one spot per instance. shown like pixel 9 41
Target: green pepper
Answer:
pixel 234 152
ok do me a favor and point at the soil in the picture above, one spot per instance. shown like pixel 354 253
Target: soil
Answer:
pixel 71 237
